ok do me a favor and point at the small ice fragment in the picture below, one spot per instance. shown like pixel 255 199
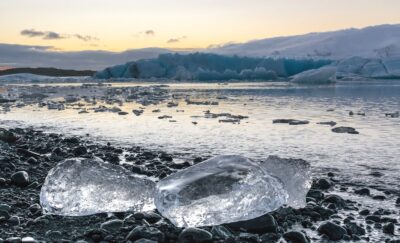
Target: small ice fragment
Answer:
pixel 220 190
pixel 81 186
pixel 295 175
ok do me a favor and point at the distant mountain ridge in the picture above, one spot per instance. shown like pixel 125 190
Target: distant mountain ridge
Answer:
pixel 380 41
pixel 54 72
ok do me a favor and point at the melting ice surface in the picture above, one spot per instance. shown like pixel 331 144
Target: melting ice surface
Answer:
pixel 295 174
pixel 220 190
pixel 80 186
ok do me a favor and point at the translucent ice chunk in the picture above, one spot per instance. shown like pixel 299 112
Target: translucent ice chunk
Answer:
pixel 220 190
pixel 295 175
pixel 87 186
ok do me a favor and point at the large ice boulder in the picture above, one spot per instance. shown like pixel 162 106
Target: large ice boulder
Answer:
pixel 81 186
pixel 220 190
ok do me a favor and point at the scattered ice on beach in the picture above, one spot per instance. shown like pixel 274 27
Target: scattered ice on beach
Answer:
pixel 295 174
pixel 81 186
pixel 219 190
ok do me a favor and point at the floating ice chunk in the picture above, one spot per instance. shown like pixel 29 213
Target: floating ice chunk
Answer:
pixel 220 190
pixel 321 75
pixel 295 175
pixel 81 186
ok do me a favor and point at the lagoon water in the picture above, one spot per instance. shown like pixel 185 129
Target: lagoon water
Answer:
pixel 375 149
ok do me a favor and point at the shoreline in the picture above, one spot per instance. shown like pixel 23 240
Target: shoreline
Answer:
pixel 36 152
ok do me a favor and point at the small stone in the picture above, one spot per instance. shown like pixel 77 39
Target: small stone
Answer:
pixel 29 239
pixel 221 232
pixel 32 161
pixel 335 199
pixel 4 214
pixel 54 235
pixel 112 226
pixel 34 208
pixel 373 218
pixel 14 221
pixel 332 230
pixel 388 228
pixel 263 224
pixel 295 237
pixel 194 235
pixel 13 240
pixel 379 197
pixel 5 207
pixel 349 130
pixel 146 232
pixel 20 178
pixel 364 212
pixel 363 192
pixel 145 241
pixel 323 184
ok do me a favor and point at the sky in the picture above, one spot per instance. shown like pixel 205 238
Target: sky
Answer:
pixel 116 25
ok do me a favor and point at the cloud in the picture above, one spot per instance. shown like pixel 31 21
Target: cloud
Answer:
pixel 52 35
pixel 32 33
pixel 86 38
pixel 146 33
pixel 175 40
pixel 149 32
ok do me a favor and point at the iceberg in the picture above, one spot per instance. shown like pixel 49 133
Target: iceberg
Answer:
pixel 82 186
pixel 295 174
pixel 223 189
pixel 316 76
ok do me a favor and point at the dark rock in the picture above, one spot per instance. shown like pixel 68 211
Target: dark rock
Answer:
pixel 194 235
pixel 146 232
pixel 379 197
pixel 373 218
pixel 13 240
pixel 262 224
pixel 323 184
pixel 112 226
pixel 4 214
pixel 34 208
pixel 14 221
pixel 348 130
pixel 388 228
pixel 145 241
pixel 335 199
pixel 80 150
pixel 32 161
pixel 247 237
pixel 354 229
pixel 363 192
pixel 269 237
pixel 316 194
pixel 5 207
pixel 364 212
pixel 221 232
pixel 151 217
pixel 7 136
pixel 295 237
pixel 332 230
pixel 20 178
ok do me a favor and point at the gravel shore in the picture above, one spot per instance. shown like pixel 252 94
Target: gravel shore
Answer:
pixel 26 156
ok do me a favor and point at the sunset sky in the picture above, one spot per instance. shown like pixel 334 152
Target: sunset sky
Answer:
pixel 128 24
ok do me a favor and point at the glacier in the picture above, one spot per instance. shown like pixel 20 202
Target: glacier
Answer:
pixel 82 186
pixel 206 67
pixel 223 189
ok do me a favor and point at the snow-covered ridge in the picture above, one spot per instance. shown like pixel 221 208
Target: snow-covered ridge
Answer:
pixel 372 42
